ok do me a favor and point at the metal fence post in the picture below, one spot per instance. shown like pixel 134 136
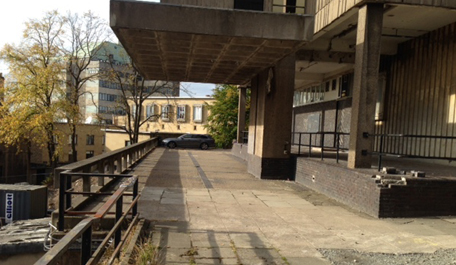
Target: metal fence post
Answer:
pixel 69 185
pixel 310 144
pixel 86 245
pixel 118 235
pixel 322 145
pixel 337 146
pixel 380 154
pixel 299 146
pixel 135 194
pixel 62 185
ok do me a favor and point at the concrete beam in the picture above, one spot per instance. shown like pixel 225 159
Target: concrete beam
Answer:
pixel 209 21
pixel 309 76
pixel 324 56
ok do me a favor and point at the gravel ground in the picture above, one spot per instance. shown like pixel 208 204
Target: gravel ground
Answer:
pixel 347 256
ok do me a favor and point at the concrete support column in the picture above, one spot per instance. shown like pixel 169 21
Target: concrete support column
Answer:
pixel 241 114
pixel 270 121
pixel 365 86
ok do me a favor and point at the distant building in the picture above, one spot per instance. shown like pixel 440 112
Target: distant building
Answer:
pixel 168 116
pixel 100 101
pixel 90 141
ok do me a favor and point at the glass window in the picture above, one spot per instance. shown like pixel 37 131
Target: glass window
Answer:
pixel 166 109
pixel 75 139
pixel 150 110
pixel 198 113
pixel 90 139
pixel 181 113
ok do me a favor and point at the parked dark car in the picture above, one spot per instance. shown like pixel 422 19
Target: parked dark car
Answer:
pixel 202 141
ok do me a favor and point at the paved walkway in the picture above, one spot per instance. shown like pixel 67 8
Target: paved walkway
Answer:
pixel 208 210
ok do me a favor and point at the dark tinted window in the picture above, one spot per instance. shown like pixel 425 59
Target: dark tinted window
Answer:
pixel 249 4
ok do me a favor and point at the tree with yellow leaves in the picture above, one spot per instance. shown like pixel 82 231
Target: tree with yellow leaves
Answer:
pixel 34 97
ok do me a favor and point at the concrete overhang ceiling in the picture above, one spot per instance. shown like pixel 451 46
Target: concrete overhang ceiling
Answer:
pixel 195 44
pixel 400 24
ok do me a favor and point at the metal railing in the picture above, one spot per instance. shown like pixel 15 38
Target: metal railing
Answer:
pixel 111 162
pixel 286 7
pixel 83 229
pixel 114 163
pixel 405 145
pixel 319 140
pixel 411 146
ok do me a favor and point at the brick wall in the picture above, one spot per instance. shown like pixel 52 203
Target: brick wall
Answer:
pixel 357 190
pixel 420 197
pixel 417 198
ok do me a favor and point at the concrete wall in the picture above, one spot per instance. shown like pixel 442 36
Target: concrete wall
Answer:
pixel 420 99
pixel 327 11
pixel 240 150
pixel 29 258
pixel 323 117
pixel 421 95
pixel 116 139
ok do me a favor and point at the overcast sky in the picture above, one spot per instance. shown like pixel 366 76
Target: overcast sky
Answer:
pixel 15 13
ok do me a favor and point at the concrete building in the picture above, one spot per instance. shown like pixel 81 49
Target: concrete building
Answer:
pixel 233 42
pixel 358 67
pixel 100 101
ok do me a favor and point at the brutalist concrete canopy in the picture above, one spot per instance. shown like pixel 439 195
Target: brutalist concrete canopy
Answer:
pixel 195 44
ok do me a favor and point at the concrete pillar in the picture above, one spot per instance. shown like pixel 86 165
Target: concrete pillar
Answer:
pixel 270 121
pixel 241 114
pixel 370 22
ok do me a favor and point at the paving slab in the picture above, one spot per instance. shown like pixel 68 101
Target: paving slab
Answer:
pixel 239 219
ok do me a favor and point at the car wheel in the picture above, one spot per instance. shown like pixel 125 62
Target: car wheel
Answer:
pixel 204 146
pixel 171 145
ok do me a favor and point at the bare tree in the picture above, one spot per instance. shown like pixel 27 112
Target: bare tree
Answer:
pixel 86 35
pixel 135 90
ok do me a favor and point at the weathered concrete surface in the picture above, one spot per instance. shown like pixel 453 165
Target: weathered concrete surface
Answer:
pixel 365 84
pixel 22 241
pixel 245 220
pixel 209 45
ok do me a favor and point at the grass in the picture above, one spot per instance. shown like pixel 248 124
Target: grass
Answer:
pixel 147 254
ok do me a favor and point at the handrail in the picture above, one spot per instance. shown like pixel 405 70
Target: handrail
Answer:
pixel 84 227
pixel 336 142
pixel 128 154
pixel 115 163
pixel 379 148
pixel 382 137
